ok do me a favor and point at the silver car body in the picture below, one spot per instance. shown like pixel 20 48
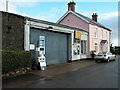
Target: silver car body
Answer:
pixel 105 56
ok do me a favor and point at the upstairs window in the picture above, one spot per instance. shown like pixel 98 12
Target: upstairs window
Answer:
pixel 95 32
pixel 101 34
pixel 106 35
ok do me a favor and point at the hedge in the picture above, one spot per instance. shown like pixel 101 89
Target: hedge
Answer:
pixel 117 52
pixel 15 60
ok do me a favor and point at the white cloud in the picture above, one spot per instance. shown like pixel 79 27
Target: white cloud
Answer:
pixel 114 41
pixel 67 0
pixel 47 17
pixel 86 13
pixel 2 6
pixel 109 15
pixel 55 9
pixel 22 0
pixel 62 0
pixel 110 20
pixel 13 4
pixel 50 15
pixel 11 7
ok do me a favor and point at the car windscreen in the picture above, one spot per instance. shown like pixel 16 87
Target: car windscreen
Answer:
pixel 102 53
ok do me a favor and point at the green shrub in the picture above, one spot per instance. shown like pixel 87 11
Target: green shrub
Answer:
pixel 15 60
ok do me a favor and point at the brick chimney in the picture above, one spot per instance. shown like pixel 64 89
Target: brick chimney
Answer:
pixel 94 17
pixel 71 6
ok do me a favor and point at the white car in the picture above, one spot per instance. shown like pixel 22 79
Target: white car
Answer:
pixel 104 56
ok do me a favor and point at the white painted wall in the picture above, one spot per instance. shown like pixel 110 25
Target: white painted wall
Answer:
pixel 26 36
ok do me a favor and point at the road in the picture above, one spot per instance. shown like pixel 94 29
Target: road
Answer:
pixel 99 75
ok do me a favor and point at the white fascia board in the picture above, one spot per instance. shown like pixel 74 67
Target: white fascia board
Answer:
pixel 62 29
pixel 26 36
pixel 72 13
pixel 84 33
pixel 80 17
pixel 45 26
pixel 63 17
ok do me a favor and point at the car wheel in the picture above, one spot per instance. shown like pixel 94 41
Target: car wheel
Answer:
pixel 99 61
pixel 114 59
pixel 96 60
pixel 108 59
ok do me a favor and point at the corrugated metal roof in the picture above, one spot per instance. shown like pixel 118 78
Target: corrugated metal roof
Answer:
pixel 55 24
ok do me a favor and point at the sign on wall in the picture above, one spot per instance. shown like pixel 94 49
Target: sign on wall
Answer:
pixel 42 41
pixel 42 44
pixel 78 34
pixel 32 46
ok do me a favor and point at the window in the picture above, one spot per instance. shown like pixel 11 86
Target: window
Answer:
pixel 109 53
pixel 83 46
pixel 106 35
pixel 96 47
pixel 101 34
pixel 101 47
pixel 95 32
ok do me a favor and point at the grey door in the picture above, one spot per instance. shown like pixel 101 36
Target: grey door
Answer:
pixel 56 50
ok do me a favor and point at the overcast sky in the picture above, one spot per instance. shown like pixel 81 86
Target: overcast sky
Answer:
pixel 52 10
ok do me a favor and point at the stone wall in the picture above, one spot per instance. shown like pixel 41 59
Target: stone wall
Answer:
pixel 12 31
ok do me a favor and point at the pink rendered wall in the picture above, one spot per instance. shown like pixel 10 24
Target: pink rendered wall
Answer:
pixel 74 21
pixel 92 39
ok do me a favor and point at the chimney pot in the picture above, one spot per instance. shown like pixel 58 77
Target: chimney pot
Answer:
pixel 71 6
pixel 94 17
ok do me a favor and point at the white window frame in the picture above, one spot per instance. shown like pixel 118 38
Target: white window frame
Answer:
pixel 83 46
pixel 95 32
pixel 101 34
pixel 106 35
pixel 96 45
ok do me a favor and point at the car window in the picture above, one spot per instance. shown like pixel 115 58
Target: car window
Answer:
pixel 109 53
pixel 100 53
pixel 104 52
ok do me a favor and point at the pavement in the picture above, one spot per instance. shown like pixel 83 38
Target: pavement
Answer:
pixel 52 71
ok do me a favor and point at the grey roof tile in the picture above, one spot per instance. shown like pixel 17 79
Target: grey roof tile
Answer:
pixel 91 21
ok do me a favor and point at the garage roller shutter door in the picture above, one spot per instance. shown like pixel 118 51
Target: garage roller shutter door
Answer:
pixel 55 45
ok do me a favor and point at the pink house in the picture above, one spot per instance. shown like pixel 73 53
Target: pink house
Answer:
pixel 98 35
